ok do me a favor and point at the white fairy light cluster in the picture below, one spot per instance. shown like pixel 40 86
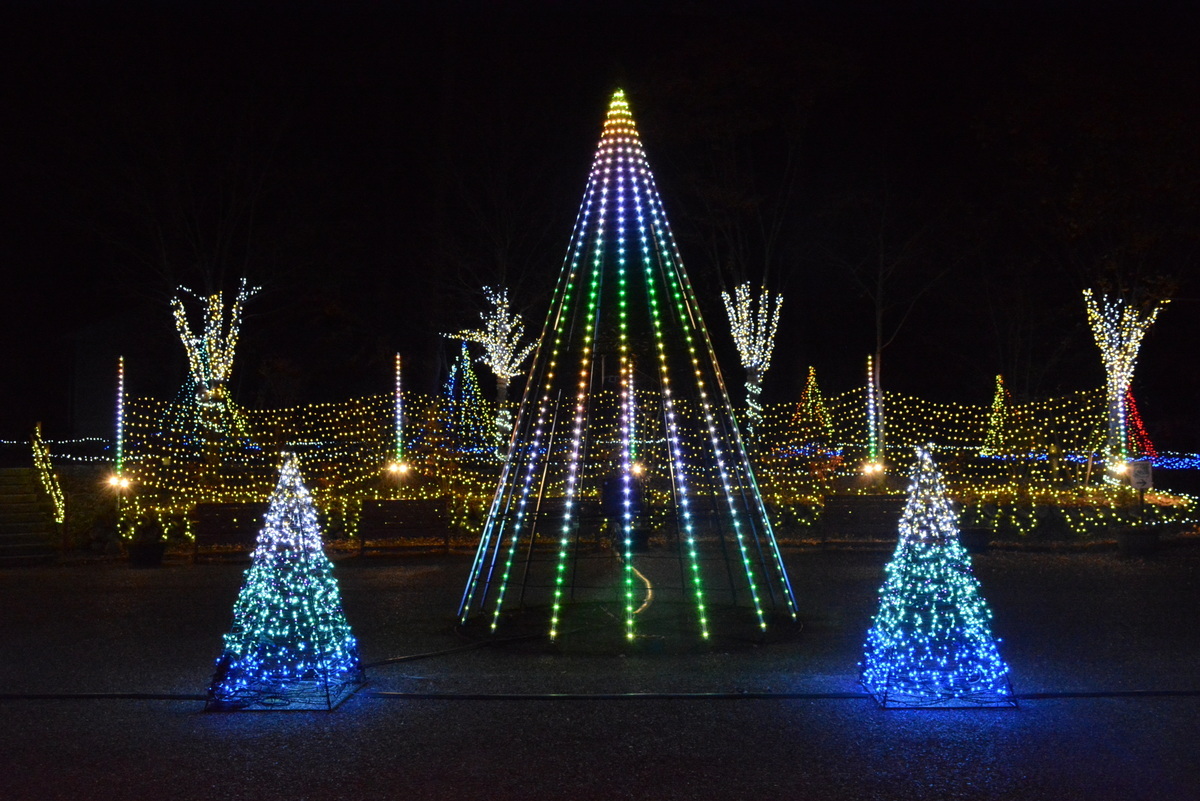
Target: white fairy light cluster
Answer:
pixel 500 336
pixel 753 323
pixel 210 350
pixel 1118 326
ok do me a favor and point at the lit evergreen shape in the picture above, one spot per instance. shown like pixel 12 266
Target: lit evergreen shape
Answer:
pixel 465 416
pixel 625 395
pixel 503 352
pixel 930 644
pixel 1140 444
pixel 994 439
pixel 812 434
pixel 290 646
pixel 1118 327
pixel 753 323
pixel 207 407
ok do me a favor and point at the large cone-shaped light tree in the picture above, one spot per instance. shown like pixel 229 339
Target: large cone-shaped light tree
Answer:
pixel 627 501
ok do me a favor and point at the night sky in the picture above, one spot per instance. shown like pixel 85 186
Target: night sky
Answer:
pixel 372 166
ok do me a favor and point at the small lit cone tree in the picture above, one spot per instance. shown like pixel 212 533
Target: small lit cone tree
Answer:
pixel 1118 326
pixel 1140 445
pixel 627 496
pixel 503 352
pixel 811 434
pixel 930 644
pixel 995 441
pixel 210 352
pixel 290 646
pixel 753 323
pixel 466 418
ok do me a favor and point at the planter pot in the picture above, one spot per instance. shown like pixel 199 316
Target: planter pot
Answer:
pixel 1137 541
pixel 146 554
pixel 975 540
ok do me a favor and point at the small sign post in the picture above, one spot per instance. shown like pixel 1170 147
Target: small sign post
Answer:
pixel 1141 478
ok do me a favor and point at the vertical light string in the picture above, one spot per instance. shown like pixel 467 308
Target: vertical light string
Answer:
pixel 621 158
pixel 119 434
pixel 686 306
pixel 583 385
pixel 492 540
pixel 398 449
pixel 644 199
pixel 873 415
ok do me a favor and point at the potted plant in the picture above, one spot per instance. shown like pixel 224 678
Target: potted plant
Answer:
pixel 147 543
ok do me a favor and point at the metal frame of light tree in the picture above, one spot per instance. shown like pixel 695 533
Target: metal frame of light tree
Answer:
pixel 930 643
pixel 753 323
pixel 502 352
pixel 623 295
pixel 210 353
pixel 1118 327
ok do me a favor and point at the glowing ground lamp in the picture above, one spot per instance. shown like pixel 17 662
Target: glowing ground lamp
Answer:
pixel 625 396
pixel 290 646
pixel 930 643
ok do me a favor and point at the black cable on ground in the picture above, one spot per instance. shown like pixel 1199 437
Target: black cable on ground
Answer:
pixel 101 697
pixel 629 696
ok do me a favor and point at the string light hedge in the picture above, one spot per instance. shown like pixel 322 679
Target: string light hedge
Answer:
pixel 626 417
pixel 290 646
pixel 930 644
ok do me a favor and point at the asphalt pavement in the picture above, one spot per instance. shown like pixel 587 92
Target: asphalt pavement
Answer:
pixel 102 666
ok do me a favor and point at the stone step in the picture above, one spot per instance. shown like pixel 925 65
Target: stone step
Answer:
pixel 25 549
pixel 28 516
pixel 41 528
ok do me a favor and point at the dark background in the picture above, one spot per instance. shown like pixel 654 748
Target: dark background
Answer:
pixel 373 165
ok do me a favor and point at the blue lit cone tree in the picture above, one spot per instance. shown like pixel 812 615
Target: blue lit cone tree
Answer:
pixel 290 646
pixel 931 644
pixel 626 497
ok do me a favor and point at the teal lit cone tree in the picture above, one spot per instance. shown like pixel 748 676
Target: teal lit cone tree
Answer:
pixel 931 644
pixel 290 646
pixel 627 497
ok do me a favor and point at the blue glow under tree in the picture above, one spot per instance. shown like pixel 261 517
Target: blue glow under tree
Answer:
pixel 627 504
pixel 931 643
pixel 290 646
